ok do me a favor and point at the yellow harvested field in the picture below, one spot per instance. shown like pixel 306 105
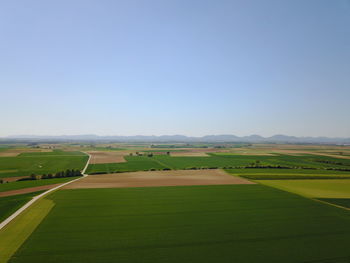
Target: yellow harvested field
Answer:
pixel 158 178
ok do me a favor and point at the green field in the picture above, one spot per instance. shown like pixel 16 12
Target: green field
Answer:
pixel 10 204
pixel 41 163
pixel 277 174
pixel 232 223
pixel 134 163
pixel 33 183
pixel 4 148
pixel 163 151
pixel 140 163
pixel 107 149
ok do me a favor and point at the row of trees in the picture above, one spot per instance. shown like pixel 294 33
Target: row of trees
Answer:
pixel 149 154
pixel 63 174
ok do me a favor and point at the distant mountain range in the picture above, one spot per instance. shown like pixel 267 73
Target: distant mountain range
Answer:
pixel 225 138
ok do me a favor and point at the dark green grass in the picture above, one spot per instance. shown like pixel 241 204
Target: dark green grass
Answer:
pixel 181 146
pixel 140 163
pixel 4 148
pixel 232 223
pixel 278 174
pixel 32 183
pixel 53 153
pixel 345 202
pixel 306 160
pixel 163 151
pixel 108 149
pixel 41 163
pixel 134 163
pixel 10 204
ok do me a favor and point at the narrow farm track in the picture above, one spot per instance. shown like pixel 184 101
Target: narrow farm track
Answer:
pixel 163 164
pixel 20 210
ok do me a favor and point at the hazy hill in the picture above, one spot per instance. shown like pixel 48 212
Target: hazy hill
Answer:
pixel 182 138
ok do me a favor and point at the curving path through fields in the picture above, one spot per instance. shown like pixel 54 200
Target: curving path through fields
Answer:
pixel 19 211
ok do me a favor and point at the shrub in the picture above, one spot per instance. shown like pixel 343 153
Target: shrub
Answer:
pixel 99 173
pixel 35 177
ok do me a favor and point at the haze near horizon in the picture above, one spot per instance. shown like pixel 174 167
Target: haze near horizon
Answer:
pixel 175 67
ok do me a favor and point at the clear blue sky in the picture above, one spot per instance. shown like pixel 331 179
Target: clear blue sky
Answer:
pixel 190 67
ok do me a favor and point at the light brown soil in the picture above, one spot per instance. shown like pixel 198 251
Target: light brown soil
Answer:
pixel 106 157
pixel 28 190
pixel 15 152
pixel 158 178
pixel 8 154
pixel 13 179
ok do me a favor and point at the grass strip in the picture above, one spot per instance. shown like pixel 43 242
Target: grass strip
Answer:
pixel 16 232
pixel 10 204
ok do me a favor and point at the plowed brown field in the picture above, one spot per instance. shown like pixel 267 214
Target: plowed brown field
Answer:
pixel 106 157
pixel 158 178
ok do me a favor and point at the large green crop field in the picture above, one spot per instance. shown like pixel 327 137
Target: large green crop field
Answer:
pixel 140 163
pixel 41 163
pixel 133 164
pixel 232 223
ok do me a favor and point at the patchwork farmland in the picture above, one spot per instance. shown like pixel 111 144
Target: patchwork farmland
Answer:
pixel 219 160
pixel 175 131
pixel 264 204
pixel 247 223
pixel 27 163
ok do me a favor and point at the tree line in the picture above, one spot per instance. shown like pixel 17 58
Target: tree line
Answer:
pixel 62 174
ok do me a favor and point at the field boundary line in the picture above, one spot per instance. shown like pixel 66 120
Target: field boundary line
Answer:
pixel 305 196
pixel 325 202
pixel 35 198
pixel 161 163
